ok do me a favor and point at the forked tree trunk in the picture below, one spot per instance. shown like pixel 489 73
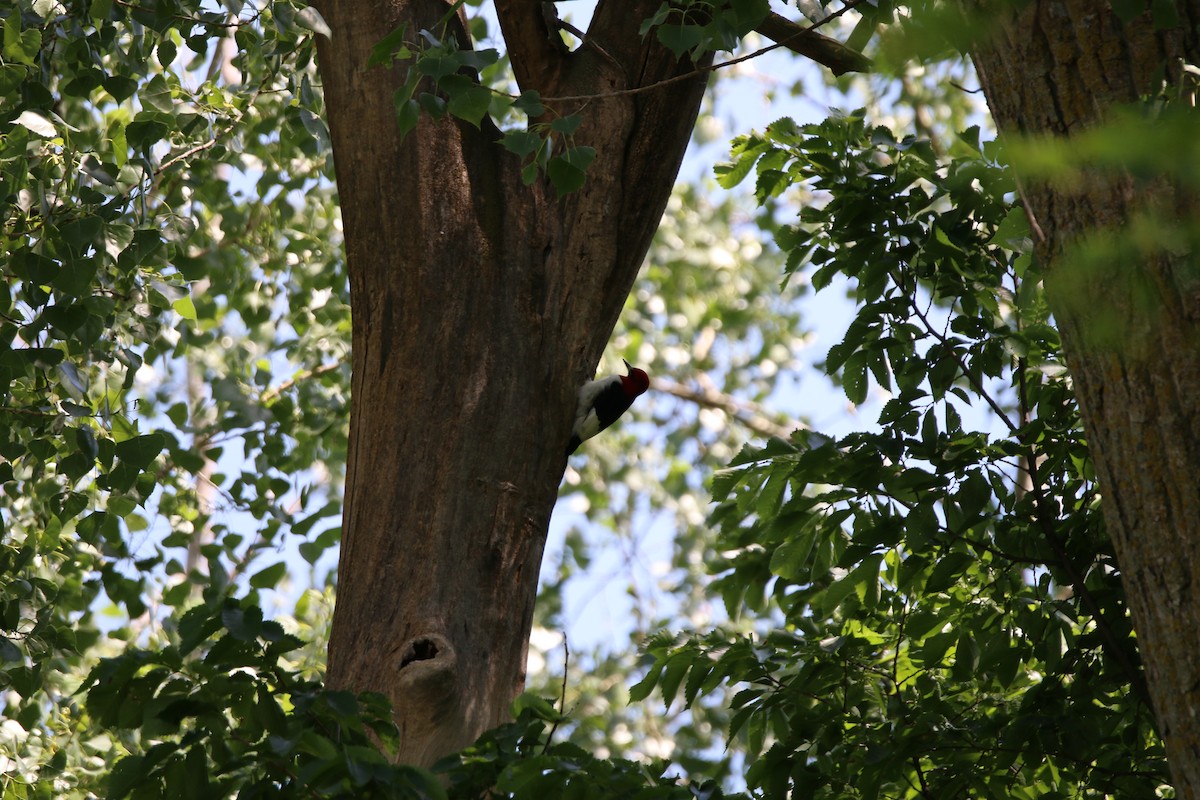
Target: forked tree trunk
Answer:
pixel 479 305
pixel 1129 313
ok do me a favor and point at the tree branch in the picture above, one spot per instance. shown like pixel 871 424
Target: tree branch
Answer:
pixel 535 49
pixel 944 341
pixel 752 415
pixel 303 375
pixel 793 36
pixel 802 39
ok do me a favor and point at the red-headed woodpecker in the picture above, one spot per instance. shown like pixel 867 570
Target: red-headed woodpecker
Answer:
pixel 602 401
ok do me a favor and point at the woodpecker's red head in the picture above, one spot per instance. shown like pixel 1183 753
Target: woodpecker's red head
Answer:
pixel 636 382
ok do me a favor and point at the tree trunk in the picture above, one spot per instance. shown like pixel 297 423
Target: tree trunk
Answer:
pixel 479 306
pixel 1129 313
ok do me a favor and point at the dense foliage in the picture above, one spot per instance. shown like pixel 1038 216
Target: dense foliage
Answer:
pixel 938 609
pixel 927 608
pixel 173 371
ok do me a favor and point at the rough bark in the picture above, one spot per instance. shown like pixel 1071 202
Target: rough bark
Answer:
pixel 479 305
pixel 1129 317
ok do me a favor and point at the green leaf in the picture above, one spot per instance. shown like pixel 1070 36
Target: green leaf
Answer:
pixel 540 707
pixel 467 99
pixel 529 173
pixel 268 577
pixel 827 601
pixel 567 172
pixel 120 143
pixel 85 440
pixel 390 47
pixel 966 657
pixel 100 10
pixel 439 64
pixel 407 114
pixel 432 104
pixel 117 236
pixel 196 625
pixel 145 131
pixel 66 317
pixel 530 104
pixel 730 173
pixel 121 87
pixel 680 39
pixel 1128 9
pixel 140 451
pixel 185 308
pixel 156 94
pixel 673 674
pixel 854 377
pixel 790 559
pixel 82 233
pixel 479 59
pixel 167 51
pixel 20 46
pixel 243 624
pixel 127 773
pixel 431 40
pixel 642 689
pixel 567 125
pixel 37 124
pixel 308 17
pixel 658 18
pixel 523 143
pixel 947 570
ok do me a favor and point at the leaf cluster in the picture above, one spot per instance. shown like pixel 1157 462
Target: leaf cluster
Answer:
pixel 214 714
pixel 167 251
pixel 939 609
pixel 696 27
pixel 462 80
pixel 520 759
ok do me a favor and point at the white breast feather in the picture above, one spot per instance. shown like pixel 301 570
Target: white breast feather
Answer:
pixel 587 424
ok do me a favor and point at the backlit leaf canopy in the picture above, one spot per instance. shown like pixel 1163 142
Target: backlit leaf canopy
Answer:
pixel 173 346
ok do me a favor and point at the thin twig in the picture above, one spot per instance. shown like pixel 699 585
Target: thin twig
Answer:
pixel 562 697
pixel 925 791
pixel 699 70
pixel 944 340
pixel 271 394
pixel 29 412
pixel 200 148
pixel 1034 226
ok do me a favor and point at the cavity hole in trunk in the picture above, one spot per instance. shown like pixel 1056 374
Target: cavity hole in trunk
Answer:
pixel 419 650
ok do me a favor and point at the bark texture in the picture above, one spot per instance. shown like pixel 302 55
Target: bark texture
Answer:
pixel 1129 314
pixel 480 305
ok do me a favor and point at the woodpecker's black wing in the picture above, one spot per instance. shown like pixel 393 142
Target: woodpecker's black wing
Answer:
pixel 611 402
pixel 601 403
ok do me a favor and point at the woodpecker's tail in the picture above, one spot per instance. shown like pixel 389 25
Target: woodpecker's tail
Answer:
pixel 573 445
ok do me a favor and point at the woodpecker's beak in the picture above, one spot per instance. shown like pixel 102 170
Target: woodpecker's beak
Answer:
pixel 626 363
